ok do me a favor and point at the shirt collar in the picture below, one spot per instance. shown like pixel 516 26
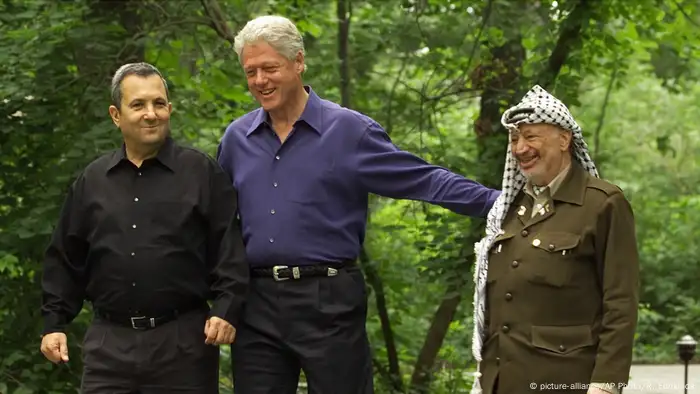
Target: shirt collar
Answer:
pixel 312 114
pixel 165 155
pixel 553 185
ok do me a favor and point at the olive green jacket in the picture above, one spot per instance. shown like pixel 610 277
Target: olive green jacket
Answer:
pixel 562 291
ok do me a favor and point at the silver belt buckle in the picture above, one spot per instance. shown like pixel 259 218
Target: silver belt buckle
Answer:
pixel 296 273
pixel 276 272
pixel 151 322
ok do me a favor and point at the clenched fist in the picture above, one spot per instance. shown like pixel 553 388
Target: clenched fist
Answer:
pixel 55 347
pixel 218 332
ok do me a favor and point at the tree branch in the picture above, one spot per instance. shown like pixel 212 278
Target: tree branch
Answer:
pixel 477 42
pixel 685 14
pixel 569 40
pixel 420 380
pixel 376 282
pixel 603 110
pixel 343 14
pixel 390 101
pixel 218 20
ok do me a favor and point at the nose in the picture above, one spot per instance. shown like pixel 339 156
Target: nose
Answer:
pixel 519 147
pixel 150 112
pixel 260 78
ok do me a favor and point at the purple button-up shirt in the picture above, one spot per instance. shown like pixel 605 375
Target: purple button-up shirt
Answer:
pixel 305 201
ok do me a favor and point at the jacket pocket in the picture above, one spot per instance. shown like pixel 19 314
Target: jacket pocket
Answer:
pixel 561 339
pixel 552 258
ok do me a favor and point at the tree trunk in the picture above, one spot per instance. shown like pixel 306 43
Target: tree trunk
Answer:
pixel 507 59
pixel 343 13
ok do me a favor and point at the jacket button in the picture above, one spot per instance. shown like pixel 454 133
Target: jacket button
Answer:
pixel 509 296
pixel 562 348
pixel 524 233
pixel 506 328
pixel 551 247
pixel 514 263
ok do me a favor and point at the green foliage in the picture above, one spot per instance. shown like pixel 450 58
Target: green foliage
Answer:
pixel 418 67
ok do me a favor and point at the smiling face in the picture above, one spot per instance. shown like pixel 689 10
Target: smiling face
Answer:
pixel 144 116
pixel 542 151
pixel 273 79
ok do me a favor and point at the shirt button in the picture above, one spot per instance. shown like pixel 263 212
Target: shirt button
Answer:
pixel 139 174
pixel 509 296
pixel 524 233
pixel 514 263
pixel 136 198
pixel 133 225
pixel 272 240
pixel 277 157
pixel 551 247
pixel 506 328
pixel 133 254
pixel 562 348
pixel 133 284
pixel 274 184
pixel 272 211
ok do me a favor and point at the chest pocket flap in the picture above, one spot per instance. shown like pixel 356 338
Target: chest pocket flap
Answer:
pixel 559 241
pixel 552 261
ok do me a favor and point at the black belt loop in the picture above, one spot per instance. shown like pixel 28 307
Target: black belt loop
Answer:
pixel 284 272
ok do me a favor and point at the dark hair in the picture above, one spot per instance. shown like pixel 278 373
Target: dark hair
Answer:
pixel 140 69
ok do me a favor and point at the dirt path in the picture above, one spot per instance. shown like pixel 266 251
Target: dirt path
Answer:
pixel 663 379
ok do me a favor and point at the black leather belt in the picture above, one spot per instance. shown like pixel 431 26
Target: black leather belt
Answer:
pixel 284 272
pixel 147 322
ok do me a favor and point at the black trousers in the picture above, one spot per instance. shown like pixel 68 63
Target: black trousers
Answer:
pixel 314 324
pixel 171 358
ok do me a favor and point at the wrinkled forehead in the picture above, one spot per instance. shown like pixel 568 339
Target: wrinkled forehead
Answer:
pixel 535 129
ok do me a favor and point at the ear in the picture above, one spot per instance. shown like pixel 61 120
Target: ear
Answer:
pixel 114 114
pixel 564 140
pixel 299 64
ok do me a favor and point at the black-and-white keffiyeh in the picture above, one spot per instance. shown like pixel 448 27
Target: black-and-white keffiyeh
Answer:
pixel 537 106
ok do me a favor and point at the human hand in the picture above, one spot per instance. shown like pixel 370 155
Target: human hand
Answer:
pixel 54 346
pixel 596 390
pixel 218 331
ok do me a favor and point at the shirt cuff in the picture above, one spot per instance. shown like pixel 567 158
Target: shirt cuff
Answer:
pixel 607 387
pixel 53 323
pixel 227 309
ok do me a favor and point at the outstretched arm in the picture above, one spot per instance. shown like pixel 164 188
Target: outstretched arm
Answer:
pixel 386 170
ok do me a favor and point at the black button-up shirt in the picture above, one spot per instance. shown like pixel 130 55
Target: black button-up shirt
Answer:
pixel 143 241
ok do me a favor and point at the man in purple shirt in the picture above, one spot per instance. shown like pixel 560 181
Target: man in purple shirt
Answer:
pixel 304 168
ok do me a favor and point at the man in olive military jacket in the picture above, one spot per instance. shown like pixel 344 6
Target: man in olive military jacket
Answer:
pixel 557 273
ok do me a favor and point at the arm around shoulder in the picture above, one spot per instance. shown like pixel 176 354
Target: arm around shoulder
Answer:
pixel 386 170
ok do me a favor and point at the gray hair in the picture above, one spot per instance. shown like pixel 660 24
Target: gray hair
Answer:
pixel 140 69
pixel 277 31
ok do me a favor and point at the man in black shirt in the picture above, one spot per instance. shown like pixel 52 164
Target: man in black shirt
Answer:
pixel 148 234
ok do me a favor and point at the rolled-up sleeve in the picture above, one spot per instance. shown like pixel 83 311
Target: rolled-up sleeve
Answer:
pixel 386 170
